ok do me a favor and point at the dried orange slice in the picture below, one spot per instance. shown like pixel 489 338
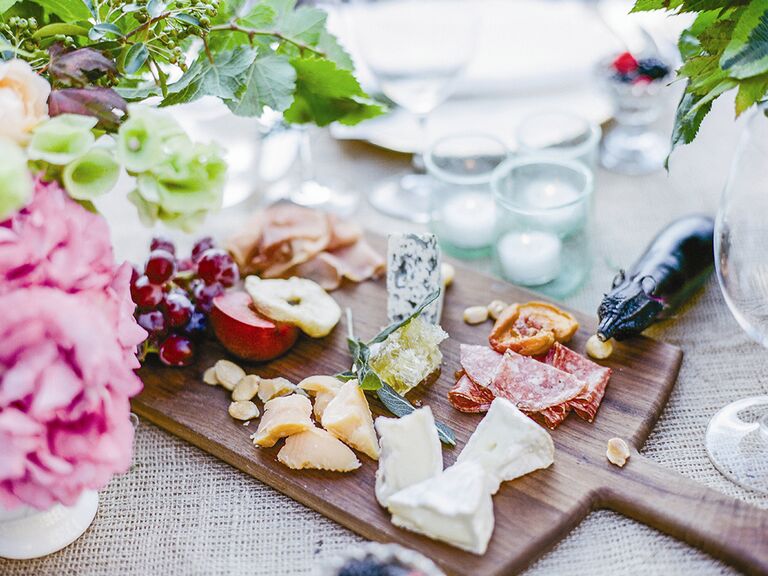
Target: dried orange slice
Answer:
pixel 530 329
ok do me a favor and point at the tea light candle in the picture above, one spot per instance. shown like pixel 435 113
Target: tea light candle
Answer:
pixel 468 220
pixel 529 258
pixel 549 195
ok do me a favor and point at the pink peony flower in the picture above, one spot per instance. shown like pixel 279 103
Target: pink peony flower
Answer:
pixel 67 354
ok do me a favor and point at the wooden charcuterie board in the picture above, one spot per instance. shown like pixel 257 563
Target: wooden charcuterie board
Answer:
pixel 532 513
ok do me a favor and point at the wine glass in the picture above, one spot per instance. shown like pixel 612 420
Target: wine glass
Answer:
pixel 416 50
pixel 737 436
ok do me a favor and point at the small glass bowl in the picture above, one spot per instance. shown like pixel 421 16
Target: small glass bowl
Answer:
pixel 419 564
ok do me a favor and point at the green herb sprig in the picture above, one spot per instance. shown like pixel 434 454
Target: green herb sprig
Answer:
pixel 371 382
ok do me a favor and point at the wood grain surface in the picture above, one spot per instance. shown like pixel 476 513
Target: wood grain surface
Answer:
pixel 532 513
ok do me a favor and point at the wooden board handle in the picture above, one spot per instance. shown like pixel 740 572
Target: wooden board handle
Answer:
pixel 727 528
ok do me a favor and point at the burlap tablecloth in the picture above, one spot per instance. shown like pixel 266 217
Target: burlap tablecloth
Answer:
pixel 181 511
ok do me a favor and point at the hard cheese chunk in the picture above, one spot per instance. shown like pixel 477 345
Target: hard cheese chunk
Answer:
pixel 410 452
pixel 413 273
pixel 508 444
pixel 323 388
pixel 455 507
pixel 349 418
pixel 283 416
pixel 317 449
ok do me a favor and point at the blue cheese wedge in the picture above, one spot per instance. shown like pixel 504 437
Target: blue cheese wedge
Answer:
pixel 410 452
pixel 454 507
pixel 507 444
pixel 413 273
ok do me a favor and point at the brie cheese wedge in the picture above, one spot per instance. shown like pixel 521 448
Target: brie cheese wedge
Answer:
pixel 409 452
pixel 508 444
pixel 454 506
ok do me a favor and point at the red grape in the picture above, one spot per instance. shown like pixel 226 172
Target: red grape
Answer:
pixel 185 264
pixel 145 294
pixel 197 325
pixel 160 243
pixel 204 295
pixel 160 266
pixel 178 308
pixel 176 350
pixel 216 265
pixel 153 322
pixel 201 246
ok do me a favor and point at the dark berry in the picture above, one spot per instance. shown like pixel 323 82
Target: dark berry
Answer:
pixel 160 243
pixel 178 308
pixel 216 265
pixel 205 294
pixel 201 246
pixel 653 68
pixel 160 266
pixel 625 63
pixel 370 566
pixel 176 350
pixel 184 265
pixel 197 326
pixel 145 294
pixel 153 322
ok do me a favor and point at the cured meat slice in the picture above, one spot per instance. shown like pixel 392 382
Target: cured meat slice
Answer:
pixel 467 396
pixel 553 416
pixel 531 385
pixel 593 375
pixel 480 363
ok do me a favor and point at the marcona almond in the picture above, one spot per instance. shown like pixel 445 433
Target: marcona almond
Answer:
pixel 209 376
pixel 475 314
pixel 617 452
pixel 598 349
pixel 243 410
pixel 246 388
pixel 229 374
pixel 495 308
pixel 448 273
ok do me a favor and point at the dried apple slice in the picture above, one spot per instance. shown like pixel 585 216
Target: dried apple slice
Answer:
pixel 530 329
pixel 296 301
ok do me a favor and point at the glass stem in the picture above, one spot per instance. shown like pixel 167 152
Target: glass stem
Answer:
pixel 418 158
pixel 306 163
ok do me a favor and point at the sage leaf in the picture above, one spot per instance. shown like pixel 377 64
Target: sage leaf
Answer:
pixel 384 334
pixel 400 406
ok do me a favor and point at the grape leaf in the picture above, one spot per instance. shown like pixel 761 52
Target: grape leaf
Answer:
pixel 687 124
pixel 259 16
pixel 269 81
pixel 647 5
pixel 326 93
pixel 104 104
pixel 68 10
pixel 78 67
pixel 221 78
pixel 746 55
pixel 329 45
pixel 751 91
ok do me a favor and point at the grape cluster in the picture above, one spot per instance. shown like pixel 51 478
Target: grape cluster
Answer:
pixel 21 32
pixel 173 296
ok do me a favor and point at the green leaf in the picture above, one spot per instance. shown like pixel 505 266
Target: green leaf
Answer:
pixel 98 31
pixel 135 58
pixel 67 10
pixel 384 334
pixel 371 381
pixel 400 407
pixel 259 16
pixel 329 45
pixel 747 53
pixel 751 91
pixel 60 28
pixel 646 5
pixel 687 121
pixel 6 5
pixel 221 78
pixel 269 81
pixel 155 8
pixel 346 376
pixel 187 19
pixel 303 23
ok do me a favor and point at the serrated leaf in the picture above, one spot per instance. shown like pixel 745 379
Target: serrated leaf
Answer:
pixel 746 55
pixel 221 78
pixel 135 93
pixel 329 45
pixel 269 81
pixel 259 16
pixel 60 28
pixel 67 10
pixel 187 19
pixel 399 406
pixel 687 123
pixel 751 91
pixel 135 57
pixel 303 23
pixel 104 104
pixel 647 5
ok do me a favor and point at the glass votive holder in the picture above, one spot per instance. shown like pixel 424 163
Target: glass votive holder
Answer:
pixel 542 235
pixel 560 134
pixel 462 207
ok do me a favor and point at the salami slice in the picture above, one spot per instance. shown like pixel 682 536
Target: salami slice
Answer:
pixel 531 385
pixel 593 375
pixel 480 363
pixel 553 416
pixel 469 397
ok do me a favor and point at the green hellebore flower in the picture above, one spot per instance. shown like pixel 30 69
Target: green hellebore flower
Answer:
pixel 62 139
pixel 91 175
pixel 144 136
pixel 15 181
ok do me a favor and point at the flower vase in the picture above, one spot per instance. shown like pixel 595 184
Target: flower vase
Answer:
pixel 26 532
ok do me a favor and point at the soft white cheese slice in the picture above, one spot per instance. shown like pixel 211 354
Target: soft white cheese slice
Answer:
pixel 454 506
pixel 508 444
pixel 410 452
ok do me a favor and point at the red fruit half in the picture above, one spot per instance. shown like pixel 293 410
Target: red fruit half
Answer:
pixel 245 332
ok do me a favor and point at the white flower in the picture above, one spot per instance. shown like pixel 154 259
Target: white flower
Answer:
pixel 23 100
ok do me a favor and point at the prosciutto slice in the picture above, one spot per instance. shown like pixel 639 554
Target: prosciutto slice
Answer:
pixel 593 375
pixel 532 385
pixel 467 396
